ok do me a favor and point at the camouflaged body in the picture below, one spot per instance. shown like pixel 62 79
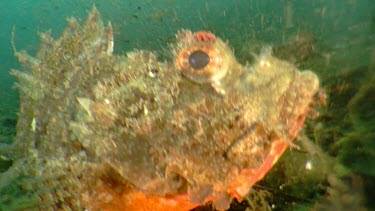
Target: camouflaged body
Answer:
pixel 87 113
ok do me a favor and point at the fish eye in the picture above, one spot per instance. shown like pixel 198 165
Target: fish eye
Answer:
pixel 198 60
pixel 201 56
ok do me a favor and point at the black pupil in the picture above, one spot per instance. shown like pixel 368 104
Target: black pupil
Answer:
pixel 198 59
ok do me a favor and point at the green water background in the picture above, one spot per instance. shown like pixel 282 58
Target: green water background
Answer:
pixel 344 31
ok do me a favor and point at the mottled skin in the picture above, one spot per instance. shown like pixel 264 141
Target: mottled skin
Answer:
pixel 131 132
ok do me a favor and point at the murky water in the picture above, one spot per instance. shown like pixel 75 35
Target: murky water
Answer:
pixel 335 39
